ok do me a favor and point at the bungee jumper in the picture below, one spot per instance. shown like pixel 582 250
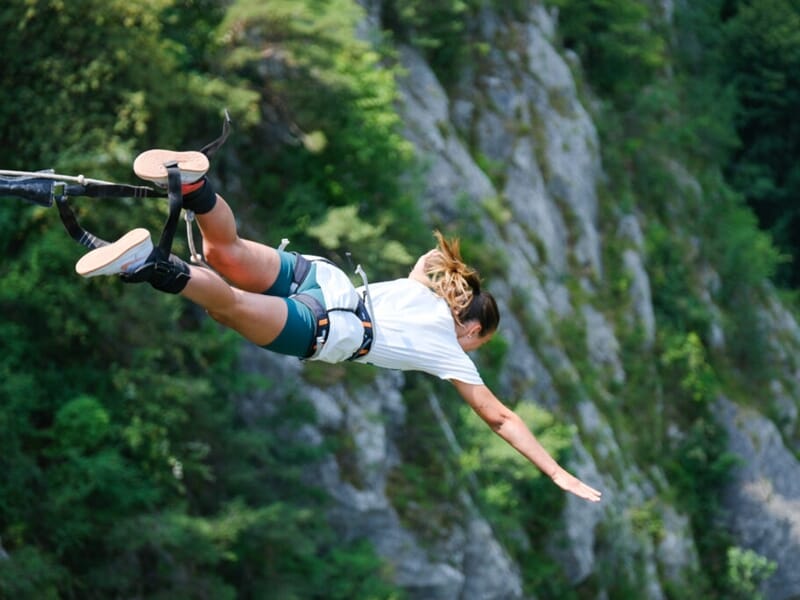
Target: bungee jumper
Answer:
pixel 296 304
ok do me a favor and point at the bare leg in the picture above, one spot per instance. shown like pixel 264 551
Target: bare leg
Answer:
pixel 257 317
pixel 248 268
pixel 245 264
pixel 248 265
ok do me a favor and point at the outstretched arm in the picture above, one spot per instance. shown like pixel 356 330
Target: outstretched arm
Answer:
pixel 505 423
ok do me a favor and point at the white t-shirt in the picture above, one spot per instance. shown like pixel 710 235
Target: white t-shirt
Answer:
pixel 414 328
pixel 415 331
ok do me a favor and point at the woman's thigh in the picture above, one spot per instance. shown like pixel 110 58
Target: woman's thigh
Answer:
pixel 256 317
pixel 248 265
pixel 281 325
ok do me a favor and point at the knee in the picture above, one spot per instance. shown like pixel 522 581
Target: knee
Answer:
pixel 222 317
pixel 222 257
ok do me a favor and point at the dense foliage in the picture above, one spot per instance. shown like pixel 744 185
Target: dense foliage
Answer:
pixel 620 43
pixel 444 31
pixel 761 50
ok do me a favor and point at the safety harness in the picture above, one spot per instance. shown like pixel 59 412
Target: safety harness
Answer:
pixel 321 314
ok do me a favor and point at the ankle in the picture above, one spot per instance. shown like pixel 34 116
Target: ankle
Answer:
pixel 165 273
pixel 199 196
pixel 189 188
pixel 170 275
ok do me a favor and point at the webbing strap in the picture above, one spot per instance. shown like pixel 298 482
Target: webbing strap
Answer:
pixel 323 323
pixel 78 233
pixel 113 190
pixel 302 267
pixel 211 148
pixel 33 189
pixel 175 205
pixel 369 331
pixel 43 190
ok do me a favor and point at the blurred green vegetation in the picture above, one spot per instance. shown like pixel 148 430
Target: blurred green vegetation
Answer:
pixel 621 44
pixel 446 32
pixel 760 55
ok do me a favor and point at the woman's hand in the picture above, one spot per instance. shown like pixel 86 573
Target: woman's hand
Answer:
pixel 418 272
pixel 572 484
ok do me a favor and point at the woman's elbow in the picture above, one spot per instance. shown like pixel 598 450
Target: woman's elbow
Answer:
pixel 500 419
pixel 493 412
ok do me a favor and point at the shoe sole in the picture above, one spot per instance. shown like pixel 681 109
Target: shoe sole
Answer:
pixel 126 253
pixel 149 165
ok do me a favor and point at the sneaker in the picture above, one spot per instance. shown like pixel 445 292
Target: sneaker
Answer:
pixel 166 273
pixel 149 165
pixel 123 256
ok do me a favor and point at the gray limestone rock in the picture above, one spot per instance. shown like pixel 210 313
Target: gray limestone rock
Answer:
pixel 676 553
pixel 764 498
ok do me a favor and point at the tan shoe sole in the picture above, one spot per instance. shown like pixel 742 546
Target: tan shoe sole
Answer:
pixel 124 255
pixel 149 165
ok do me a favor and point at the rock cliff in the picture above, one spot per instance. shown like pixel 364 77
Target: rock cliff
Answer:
pixel 537 205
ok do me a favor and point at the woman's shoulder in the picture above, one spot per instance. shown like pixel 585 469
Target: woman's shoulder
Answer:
pixel 408 288
pixel 403 291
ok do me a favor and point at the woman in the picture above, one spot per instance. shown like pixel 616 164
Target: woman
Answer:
pixel 307 307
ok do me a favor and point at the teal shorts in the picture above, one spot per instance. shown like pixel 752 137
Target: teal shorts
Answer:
pixel 298 334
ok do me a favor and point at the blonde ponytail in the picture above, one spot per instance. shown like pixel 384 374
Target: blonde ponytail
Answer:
pixel 450 278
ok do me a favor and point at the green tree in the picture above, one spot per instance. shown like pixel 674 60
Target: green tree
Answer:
pixel 762 58
pixel 747 571
pixel 619 41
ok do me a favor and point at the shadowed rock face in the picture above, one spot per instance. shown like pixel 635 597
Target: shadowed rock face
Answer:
pixel 763 501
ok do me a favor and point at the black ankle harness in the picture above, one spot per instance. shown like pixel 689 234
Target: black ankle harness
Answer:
pixel 301 270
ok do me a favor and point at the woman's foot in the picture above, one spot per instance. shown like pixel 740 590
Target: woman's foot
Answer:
pixel 198 194
pixel 149 165
pixel 134 258
pixel 123 256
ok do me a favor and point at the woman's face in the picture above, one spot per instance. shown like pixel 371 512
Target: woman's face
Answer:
pixel 469 336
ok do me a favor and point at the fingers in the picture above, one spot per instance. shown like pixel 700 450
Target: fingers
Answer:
pixel 572 484
pixel 588 493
